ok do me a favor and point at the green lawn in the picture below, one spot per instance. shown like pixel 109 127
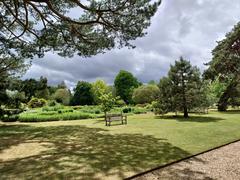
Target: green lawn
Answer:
pixel 86 149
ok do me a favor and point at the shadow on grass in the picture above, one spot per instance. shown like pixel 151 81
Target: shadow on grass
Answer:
pixel 202 119
pixel 83 153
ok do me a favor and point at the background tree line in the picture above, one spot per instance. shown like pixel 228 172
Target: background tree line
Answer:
pixel 183 89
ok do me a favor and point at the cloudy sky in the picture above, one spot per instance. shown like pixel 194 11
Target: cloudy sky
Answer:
pixel 188 28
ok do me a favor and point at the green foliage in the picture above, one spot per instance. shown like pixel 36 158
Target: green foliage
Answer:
pixel 83 94
pixel 181 90
pixel 62 85
pixel 120 103
pixel 152 82
pixel 101 26
pixel 15 98
pixel 11 67
pixel 9 115
pixel 52 103
pixel 139 110
pixel 44 94
pixel 98 89
pixel 127 110
pixel 34 88
pixel 12 118
pixel 125 83
pixel 60 112
pixel 52 108
pixel 145 94
pixel 225 66
pixel 165 102
pixel 107 102
pixel 62 96
pixel 36 103
pixel 25 117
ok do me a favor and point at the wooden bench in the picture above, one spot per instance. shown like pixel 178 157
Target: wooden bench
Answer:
pixel 115 117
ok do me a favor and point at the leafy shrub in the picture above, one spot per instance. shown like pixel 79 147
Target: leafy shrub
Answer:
pixel 12 118
pixel 90 109
pixel 139 110
pixel 141 105
pixel 145 94
pixel 97 111
pixel 25 117
pixel 127 110
pixel 149 107
pixel 52 103
pixel 62 96
pixel 36 103
pixel 77 107
pixel 48 113
pixel 65 110
pixel 9 115
pixel 53 108
pixel 120 103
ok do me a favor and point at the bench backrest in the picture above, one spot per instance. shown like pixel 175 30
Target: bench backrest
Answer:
pixel 114 116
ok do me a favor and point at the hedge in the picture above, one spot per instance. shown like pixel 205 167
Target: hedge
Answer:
pixel 54 117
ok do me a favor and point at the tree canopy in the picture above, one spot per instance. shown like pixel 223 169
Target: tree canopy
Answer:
pixel 181 90
pixel 98 89
pixel 62 96
pixel 125 83
pixel 225 65
pixel 83 94
pixel 145 94
pixel 36 26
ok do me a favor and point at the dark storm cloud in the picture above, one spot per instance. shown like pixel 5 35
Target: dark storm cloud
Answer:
pixel 188 28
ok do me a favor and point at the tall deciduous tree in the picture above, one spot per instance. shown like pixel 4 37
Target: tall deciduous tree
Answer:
pixel 225 65
pixel 36 26
pixel 83 94
pixel 125 83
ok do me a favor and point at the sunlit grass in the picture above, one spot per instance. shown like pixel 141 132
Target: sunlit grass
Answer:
pixel 86 149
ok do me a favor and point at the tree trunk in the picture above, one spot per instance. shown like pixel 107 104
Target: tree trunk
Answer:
pixel 222 105
pixel 185 112
pixel 105 116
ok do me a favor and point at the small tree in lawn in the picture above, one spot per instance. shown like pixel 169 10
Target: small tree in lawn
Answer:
pixel 107 102
pixel 98 88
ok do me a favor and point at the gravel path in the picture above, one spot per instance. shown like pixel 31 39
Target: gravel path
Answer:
pixel 222 163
